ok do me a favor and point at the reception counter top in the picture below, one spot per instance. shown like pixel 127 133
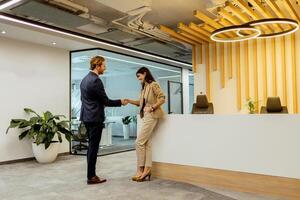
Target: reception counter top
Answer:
pixel 267 145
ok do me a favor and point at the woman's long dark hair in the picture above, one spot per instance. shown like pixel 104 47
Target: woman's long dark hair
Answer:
pixel 148 78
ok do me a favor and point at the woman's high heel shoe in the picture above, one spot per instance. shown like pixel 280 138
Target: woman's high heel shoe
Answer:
pixel 142 179
pixel 135 178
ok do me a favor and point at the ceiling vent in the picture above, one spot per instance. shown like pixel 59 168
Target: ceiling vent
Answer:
pixel 126 7
pixel 50 14
pixel 118 35
pixel 158 48
pixel 93 28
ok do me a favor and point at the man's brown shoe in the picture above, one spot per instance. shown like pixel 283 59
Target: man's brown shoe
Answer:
pixel 95 180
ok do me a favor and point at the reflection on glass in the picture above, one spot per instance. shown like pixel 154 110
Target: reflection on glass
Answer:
pixel 175 97
pixel 119 81
pixel 191 91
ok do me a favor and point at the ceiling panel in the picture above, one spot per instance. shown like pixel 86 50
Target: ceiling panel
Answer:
pixel 50 14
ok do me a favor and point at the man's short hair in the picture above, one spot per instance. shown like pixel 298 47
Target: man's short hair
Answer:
pixel 97 60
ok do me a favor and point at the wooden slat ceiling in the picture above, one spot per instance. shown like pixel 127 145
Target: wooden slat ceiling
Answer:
pixel 235 12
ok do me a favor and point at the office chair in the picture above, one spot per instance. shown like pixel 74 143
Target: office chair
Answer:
pixel 202 106
pixel 80 137
pixel 273 106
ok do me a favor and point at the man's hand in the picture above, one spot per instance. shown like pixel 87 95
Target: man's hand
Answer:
pixel 124 102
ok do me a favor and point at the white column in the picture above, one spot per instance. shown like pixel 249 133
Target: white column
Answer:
pixel 185 91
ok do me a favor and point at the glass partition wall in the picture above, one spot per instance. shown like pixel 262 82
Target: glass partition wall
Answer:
pixel 120 82
pixel 191 90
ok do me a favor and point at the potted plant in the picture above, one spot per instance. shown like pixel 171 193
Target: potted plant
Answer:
pixel 43 130
pixel 252 106
pixel 126 127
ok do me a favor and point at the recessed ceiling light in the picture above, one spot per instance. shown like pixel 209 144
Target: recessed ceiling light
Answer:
pixel 54 43
pixel 8 3
pixel 3 32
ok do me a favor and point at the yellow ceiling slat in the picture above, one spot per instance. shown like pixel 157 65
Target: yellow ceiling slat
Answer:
pixel 275 8
pixel 291 9
pixel 177 36
pixel 209 21
pixel 242 16
pixel 225 22
pixel 195 27
pixel 207 27
pixel 228 16
pixel 187 35
pixel 244 6
pixel 183 27
pixel 264 12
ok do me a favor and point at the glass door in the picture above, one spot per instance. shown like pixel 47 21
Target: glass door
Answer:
pixel 175 97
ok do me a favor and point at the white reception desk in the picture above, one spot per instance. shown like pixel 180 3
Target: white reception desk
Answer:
pixel 265 149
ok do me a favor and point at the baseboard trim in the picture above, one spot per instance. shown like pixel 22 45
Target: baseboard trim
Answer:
pixel 288 188
pixel 27 159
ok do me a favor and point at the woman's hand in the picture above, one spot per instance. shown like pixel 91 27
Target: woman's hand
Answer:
pixel 133 102
pixel 148 109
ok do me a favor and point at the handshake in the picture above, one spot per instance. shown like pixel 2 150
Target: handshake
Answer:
pixel 125 102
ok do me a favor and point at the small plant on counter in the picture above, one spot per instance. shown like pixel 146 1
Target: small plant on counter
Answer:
pixel 252 106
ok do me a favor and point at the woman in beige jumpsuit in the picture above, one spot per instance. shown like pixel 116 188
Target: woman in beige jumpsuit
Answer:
pixel 151 99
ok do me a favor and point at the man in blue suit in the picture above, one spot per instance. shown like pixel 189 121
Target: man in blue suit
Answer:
pixel 94 100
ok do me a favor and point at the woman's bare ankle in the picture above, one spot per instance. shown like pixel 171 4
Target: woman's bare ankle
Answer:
pixel 140 171
pixel 146 170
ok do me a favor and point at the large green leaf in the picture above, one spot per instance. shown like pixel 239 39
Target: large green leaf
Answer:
pixel 34 120
pixel 48 115
pixel 64 130
pixel 32 133
pixel 14 123
pixel 23 134
pixel 40 137
pixel 24 124
pixel 59 136
pixel 68 137
pixel 47 144
pixel 68 134
pixel 51 124
pixel 57 117
pixel 64 123
pixel 50 136
pixel 28 110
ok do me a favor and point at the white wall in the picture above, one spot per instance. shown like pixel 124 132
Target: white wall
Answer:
pixel 32 76
pixel 257 144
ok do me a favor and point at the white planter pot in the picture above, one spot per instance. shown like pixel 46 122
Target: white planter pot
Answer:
pixel 43 155
pixel 126 131
pixel 133 129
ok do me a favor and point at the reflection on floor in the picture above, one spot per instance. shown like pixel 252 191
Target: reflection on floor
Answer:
pixel 119 144
pixel 65 179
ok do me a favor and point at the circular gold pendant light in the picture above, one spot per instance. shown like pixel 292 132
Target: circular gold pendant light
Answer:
pixel 280 21
pixel 215 34
pixel 253 26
